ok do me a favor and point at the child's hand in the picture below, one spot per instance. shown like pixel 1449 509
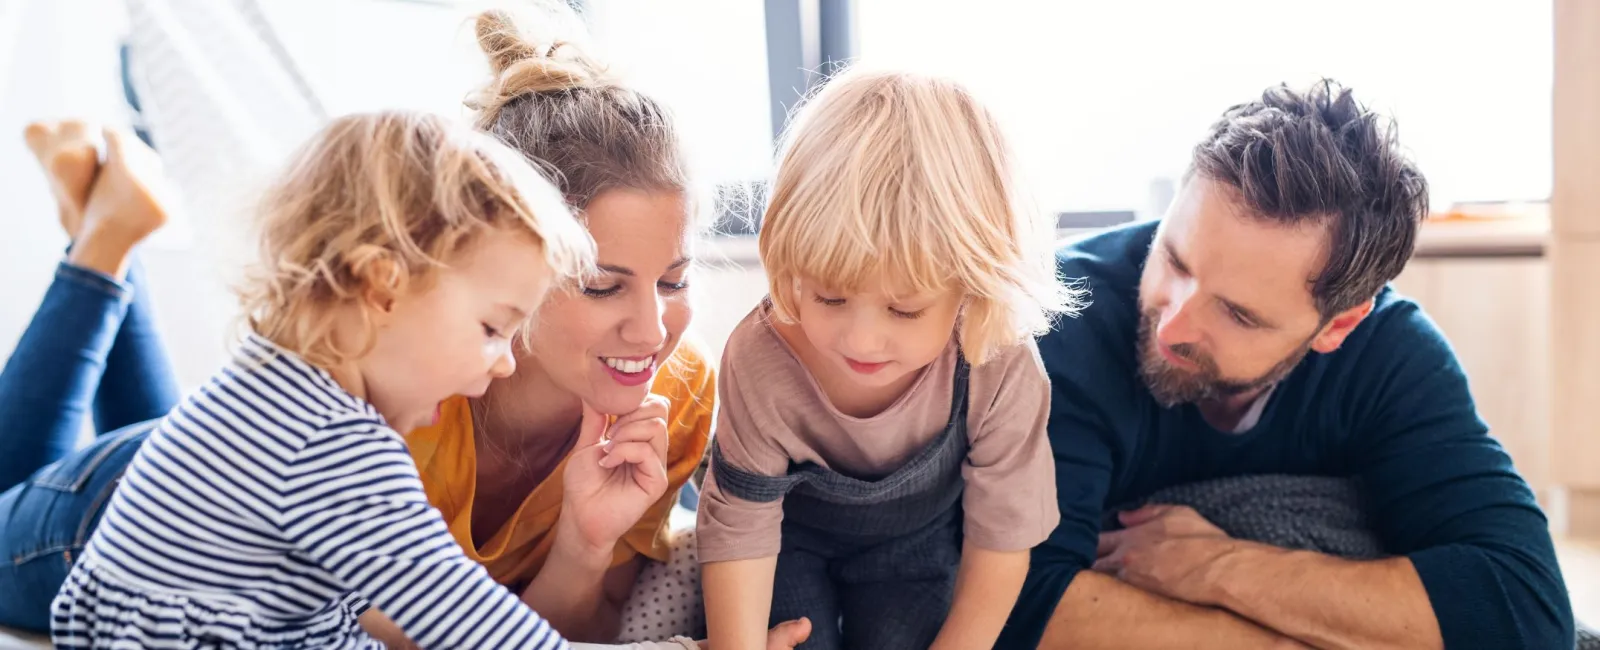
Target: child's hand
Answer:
pixel 789 634
pixel 785 636
pixel 617 471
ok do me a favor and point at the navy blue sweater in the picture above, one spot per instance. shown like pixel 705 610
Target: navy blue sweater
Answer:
pixel 1390 406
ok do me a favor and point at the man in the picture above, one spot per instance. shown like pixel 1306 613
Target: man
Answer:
pixel 1251 332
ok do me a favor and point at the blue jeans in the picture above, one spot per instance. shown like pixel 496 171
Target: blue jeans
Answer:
pixel 92 350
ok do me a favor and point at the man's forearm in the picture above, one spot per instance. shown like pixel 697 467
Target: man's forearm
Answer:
pixel 1325 601
pixel 1098 611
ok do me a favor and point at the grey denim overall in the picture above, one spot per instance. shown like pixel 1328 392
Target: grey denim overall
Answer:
pixel 872 562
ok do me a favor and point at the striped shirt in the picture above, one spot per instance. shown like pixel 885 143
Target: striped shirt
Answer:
pixel 272 508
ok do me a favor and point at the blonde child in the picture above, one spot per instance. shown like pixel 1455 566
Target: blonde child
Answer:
pixel 277 504
pixel 880 463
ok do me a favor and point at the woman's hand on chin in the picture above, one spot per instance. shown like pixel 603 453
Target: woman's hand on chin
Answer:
pixel 616 472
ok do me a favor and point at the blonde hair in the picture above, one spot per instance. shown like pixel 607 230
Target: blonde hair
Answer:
pixel 565 111
pixel 383 200
pixel 908 177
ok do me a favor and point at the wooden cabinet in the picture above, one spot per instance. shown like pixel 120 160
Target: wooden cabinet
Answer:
pixel 1495 311
pixel 1575 271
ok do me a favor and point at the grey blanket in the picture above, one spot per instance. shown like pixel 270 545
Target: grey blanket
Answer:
pixel 1312 513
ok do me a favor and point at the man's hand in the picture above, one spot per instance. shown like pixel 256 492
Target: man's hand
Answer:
pixel 1167 550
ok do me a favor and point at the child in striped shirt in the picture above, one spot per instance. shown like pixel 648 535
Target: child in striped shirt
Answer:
pixel 277 504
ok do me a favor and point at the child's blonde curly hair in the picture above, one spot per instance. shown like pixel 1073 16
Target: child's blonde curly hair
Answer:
pixel 906 177
pixel 383 200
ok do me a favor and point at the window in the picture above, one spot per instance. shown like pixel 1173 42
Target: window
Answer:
pixel 1104 100
pixel 707 59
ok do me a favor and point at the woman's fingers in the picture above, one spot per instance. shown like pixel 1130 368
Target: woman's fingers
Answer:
pixel 648 431
pixel 639 454
pixel 653 406
pixel 592 429
pixel 648 423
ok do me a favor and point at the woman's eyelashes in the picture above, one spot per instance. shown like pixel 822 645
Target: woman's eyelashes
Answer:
pixel 668 287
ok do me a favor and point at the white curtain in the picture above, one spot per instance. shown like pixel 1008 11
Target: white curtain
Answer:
pixel 223 101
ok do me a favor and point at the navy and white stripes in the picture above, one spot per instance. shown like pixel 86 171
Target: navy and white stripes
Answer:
pixel 271 508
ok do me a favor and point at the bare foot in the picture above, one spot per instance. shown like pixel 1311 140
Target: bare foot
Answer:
pixel 125 205
pixel 70 160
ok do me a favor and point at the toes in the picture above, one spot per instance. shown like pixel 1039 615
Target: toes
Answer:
pixel 127 152
pixel 74 169
pixel 70 130
pixel 64 149
pixel 113 139
pixel 39 136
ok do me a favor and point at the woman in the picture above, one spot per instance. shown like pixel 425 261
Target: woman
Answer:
pixel 565 536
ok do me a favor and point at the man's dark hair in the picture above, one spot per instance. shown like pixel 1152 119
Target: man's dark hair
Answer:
pixel 1314 155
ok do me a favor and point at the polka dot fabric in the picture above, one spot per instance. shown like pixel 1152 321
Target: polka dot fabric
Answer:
pixel 666 598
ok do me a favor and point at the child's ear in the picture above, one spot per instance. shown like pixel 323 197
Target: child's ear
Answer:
pixel 383 281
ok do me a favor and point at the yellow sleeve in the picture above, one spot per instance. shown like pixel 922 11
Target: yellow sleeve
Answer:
pixel 689 383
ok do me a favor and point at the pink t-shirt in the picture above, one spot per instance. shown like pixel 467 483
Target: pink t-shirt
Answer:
pixel 771 412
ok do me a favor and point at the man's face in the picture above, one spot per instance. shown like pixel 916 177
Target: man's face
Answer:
pixel 1225 298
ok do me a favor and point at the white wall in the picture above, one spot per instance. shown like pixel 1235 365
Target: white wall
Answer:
pixel 43 75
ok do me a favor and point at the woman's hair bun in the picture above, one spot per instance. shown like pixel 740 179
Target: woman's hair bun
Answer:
pixel 525 61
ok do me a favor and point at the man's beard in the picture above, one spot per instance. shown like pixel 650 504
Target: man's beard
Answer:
pixel 1173 386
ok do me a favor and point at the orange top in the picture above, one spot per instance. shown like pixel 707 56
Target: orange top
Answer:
pixel 447 461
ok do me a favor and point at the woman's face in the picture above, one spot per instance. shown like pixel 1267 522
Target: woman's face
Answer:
pixel 605 342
